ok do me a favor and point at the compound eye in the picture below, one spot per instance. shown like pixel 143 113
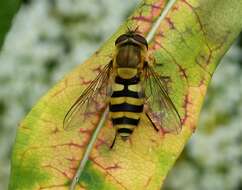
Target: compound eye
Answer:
pixel 141 40
pixel 121 38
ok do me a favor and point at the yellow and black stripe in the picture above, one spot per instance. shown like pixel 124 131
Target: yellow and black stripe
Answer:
pixel 126 104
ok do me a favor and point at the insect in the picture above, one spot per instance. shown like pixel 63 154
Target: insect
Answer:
pixel 127 85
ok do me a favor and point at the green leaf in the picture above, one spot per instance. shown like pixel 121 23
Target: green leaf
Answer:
pixel 8 10
pixel 188 42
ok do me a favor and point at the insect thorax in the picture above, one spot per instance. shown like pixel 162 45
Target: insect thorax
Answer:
pixel 129 60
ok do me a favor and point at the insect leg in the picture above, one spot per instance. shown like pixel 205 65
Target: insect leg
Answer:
pixel 114 140
pixel 152 122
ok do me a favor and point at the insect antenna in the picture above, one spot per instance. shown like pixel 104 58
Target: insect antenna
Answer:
pixel 131 31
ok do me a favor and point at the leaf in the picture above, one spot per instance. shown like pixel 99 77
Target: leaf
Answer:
pixel 8 10
pixel 187 45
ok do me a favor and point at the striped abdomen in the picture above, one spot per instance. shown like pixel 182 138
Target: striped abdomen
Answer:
pixel 126 104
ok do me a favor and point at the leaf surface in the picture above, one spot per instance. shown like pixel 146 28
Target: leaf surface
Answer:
pixel 187 45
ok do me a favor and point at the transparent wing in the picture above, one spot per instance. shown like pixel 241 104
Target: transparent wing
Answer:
pixel 92 101
pixel 161 110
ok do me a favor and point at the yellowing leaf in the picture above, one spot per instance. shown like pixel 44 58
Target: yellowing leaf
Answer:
pixel 186 41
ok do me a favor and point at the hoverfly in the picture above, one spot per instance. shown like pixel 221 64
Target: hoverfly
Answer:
pixel 126 85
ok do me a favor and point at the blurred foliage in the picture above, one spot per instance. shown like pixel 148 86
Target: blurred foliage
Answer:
pixel 8 10
pixel 50 37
